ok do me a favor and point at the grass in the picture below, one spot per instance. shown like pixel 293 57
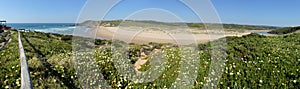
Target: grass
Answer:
pixel 253 61
pixel 297 31
pixel 3 36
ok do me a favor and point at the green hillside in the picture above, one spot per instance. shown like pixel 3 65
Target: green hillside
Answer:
pixel 192 25
pixel 285 30
pixel 235 26
pixel 253 61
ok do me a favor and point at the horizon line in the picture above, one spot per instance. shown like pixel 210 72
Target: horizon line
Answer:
pixel 150 20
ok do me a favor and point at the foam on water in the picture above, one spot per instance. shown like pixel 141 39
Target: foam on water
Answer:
pixel 60 28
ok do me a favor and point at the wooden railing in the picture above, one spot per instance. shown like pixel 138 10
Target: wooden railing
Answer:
pixel 25 76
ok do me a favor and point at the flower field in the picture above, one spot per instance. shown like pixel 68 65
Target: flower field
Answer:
pixel 253 61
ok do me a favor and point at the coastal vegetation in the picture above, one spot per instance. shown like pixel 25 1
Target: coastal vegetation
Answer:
pixel 4 37
pixel 285 30
pixel 200 26
pixel 234 26
pixel 253 61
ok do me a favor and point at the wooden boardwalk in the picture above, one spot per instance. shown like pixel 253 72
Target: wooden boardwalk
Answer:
pixel 25 76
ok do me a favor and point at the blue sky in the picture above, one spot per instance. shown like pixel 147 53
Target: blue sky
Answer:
pixel 258 12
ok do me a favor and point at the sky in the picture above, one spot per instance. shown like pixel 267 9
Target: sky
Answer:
pixel 253 12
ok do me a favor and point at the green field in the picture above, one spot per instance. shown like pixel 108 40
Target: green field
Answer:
pixel 253 61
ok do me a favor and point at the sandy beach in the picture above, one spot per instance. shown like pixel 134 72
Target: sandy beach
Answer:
pixel 158 36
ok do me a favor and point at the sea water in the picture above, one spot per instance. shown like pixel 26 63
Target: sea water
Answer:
pixel 262 33
pixel 60 28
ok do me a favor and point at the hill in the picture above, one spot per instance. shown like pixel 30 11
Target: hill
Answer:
pixel 285 30
pixel 192 25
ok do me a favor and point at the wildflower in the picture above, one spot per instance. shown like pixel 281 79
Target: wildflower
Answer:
pixel 260 81
pixel 294 81
pixel 6 87
pixel 119 85
pixel 238 73
pixel 231 73
pixel 17 82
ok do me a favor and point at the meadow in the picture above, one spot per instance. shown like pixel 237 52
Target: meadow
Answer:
pixel 253 61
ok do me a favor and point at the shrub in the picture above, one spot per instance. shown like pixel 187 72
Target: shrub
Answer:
pixel 254 35
pixel 2 39
pixel 66 37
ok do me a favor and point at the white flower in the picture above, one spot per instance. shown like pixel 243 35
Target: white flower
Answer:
pixel 231 73
pixel 238 73
pixel 119 85
pixel 294 81
pixel 260 81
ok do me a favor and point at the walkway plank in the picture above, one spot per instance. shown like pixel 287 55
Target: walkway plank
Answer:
pixel 25 76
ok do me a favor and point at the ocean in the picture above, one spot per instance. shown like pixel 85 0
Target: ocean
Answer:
pixel 60 28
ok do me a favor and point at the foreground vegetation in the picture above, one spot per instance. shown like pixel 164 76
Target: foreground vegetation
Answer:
pixel 3 36
pixel 253 61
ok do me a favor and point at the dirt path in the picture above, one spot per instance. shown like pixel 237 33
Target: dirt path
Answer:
pixel 141 61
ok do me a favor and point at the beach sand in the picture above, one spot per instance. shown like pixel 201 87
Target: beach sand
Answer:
pixel 157 36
